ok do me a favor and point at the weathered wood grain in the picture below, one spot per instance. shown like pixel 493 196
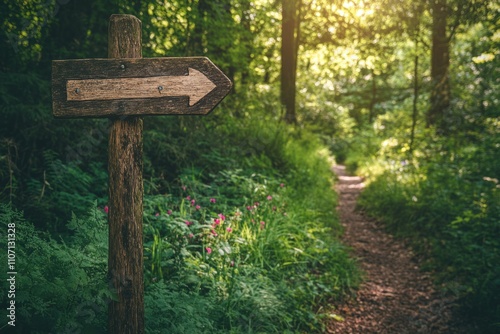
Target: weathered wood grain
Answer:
pixel 125 163
pixel 196 85
pixel 64 71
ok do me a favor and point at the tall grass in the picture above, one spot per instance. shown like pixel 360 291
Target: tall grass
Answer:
pixel 260 243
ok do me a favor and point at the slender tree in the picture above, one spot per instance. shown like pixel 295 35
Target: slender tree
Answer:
pixel 288 59
pixel 414 115
pixel 414 23
pixel 440 63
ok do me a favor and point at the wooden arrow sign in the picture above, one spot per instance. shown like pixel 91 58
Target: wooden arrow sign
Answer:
pixel 144 86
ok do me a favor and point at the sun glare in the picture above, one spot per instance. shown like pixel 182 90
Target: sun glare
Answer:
pixel 356 9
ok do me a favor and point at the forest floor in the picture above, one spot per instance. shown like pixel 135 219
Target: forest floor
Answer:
pixel 396 297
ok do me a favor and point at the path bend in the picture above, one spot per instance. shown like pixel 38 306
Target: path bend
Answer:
pixel 396 297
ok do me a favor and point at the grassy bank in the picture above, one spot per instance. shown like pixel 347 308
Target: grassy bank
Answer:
pixel 240 234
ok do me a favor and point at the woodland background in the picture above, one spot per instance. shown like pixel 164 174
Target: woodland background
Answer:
pixel 241 234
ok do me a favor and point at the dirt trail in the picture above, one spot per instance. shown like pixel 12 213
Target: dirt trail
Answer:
pixel 396 297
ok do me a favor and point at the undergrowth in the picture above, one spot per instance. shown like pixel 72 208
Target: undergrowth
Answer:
pixel 444 198
pixel 240 234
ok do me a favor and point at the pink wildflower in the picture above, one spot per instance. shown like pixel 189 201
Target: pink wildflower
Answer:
pixel 232 264
pixel 222 217
pixel 193 202
pixel 106 209
pixel 169 212
pixel 282 185
pixel 191 235
pixel 217 222
pixel 198 207
pixel 214 233
pixel 212 200
pixel 209 250
pixel 249 208
pixel 256 204
pixel 269 197
pixel 188 198
pixel 229 229
pixel 188 223
pixel 157 214
pixel 262 224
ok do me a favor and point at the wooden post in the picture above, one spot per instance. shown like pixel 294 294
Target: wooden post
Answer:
pixel 125 88
pixel 125 261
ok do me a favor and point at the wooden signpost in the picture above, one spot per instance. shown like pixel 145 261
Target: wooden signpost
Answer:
pixel 124 88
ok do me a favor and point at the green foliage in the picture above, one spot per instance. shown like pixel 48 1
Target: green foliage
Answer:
pixel 171 309
pixel 250 241
pixel 251 277
pixel 451 215
pixel 60 286
pixel 441 193
pixel 259 254
pixel 362 89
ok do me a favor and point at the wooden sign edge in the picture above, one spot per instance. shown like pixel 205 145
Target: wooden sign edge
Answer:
pixel 63 70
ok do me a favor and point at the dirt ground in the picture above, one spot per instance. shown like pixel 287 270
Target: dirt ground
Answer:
pixel 396 296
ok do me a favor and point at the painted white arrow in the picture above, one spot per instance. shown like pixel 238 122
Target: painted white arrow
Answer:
pixel 195 85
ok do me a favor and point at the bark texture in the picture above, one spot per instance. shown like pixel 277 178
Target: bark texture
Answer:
pixel 288 59
pixel 440 63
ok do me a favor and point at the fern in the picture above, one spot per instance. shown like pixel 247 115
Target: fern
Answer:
pixel 56 281
pixel 171 310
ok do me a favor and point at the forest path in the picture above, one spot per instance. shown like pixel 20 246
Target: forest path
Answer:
pixel 395 297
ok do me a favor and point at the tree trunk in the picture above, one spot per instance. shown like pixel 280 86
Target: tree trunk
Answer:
pixel 414 115
pixel 288 59
pixel 440 63
pixel 373 101
pixel 197 38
